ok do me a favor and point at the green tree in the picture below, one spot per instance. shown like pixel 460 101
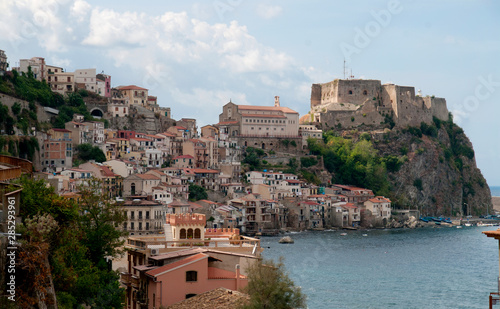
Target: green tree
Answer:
pixel 99 221
pixel 16 108
pixel 269 286
pixel 197 193
pixel 86 152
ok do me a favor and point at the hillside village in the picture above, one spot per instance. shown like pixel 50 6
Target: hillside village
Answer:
pixel 211 189
pixel 150 173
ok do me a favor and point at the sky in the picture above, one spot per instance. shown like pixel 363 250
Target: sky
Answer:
pixel 196 56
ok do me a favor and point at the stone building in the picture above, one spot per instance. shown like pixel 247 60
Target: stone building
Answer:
pixel 258 126
pixel 349 103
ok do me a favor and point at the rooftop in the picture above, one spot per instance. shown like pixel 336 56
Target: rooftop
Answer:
pixel 220 298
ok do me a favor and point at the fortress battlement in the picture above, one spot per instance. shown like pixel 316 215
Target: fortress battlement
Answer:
pixel 354 102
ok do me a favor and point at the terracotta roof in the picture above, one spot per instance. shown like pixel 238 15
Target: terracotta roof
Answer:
pixel 169 267
pixel 494 234
pixel 184 157
pixel 217 273
pixel 130 87
pixel 141 139
pixel 293 181
pixel 379 199
pixel 351 188
pixel 147 176
pixel 305 118
pixel 220 298
pixel 180 128
pixel 349 205
pixel 266 108
pixel 107 172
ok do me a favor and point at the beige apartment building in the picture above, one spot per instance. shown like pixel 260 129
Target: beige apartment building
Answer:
pixel 135 94
pixel 259 121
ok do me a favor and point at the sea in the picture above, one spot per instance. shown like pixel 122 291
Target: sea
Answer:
pixel 432 267
pixel 495 191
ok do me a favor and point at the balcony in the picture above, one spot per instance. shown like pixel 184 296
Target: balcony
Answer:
pixel 129 280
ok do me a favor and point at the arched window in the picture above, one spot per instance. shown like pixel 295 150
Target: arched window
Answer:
pixel 350 91
pixel 365 92
pixel 183 234
pixel 197 234
pixel 191 276
pixel 190 233
pixel 132 189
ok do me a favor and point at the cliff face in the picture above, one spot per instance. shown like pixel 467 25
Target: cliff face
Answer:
pixel 440 176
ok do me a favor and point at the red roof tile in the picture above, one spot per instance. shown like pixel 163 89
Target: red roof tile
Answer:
pixel 130 87
pixel 169 267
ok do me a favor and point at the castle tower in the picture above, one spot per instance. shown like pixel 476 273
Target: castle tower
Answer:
pixel 276 101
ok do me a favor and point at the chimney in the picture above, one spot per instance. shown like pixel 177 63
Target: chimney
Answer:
pixel 238 277
pixel 276 101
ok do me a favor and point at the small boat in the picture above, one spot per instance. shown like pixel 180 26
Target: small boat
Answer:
pixel 365 235
pixel 438 222
pixel 468 224
pixel 459 227
pixel 424 219
pixel 343 234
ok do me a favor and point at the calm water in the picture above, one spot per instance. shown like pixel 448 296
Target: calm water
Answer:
pixel 495 191
pixel 422 268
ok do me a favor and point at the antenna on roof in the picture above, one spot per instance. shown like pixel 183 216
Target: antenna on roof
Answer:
pixel 344 68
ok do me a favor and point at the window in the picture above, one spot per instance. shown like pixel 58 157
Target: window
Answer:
pixel 350 91
pixel 191 276
pixel 365 92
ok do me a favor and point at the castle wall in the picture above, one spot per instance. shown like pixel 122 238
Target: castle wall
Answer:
pixel 375 101
pixel 357 91
pixel 315 95
pixel 439 109
pixel 369 114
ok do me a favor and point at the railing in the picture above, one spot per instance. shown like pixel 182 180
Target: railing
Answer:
pixel 190 243
pixel 129 280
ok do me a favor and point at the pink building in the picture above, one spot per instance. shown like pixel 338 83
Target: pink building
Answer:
pixel 187 277
pixel 104 85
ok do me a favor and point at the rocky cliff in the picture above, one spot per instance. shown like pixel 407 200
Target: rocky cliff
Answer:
pixel 439 174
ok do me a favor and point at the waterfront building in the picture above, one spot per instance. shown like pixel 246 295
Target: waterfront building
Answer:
pixel 186 261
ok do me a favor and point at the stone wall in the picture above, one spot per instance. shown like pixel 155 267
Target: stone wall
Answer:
pixel 41 114
pixel 374 101
pixel 273 143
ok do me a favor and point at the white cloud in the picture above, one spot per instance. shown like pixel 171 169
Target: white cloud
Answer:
pixel 60 62
pixel 192 65
pixel 80 10
pixel 269 11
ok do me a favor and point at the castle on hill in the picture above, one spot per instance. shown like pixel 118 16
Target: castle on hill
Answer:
pixel 348 103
